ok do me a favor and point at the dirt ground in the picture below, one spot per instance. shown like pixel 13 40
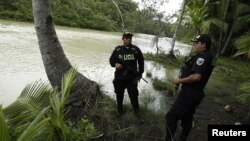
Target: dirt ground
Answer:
pixel 210 112
pixel 207 113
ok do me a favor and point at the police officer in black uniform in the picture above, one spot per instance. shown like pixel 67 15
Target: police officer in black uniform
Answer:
pixel 194 77
pixel 129 63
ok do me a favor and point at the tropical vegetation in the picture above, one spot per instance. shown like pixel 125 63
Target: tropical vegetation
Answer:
pixel 38 114
pixel 225 20
pixel 93 14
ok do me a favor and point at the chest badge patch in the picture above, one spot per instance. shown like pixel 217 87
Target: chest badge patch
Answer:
pixel 200 61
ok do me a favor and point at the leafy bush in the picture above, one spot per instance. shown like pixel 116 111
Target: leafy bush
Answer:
pixel 244 91
pixel 38 114
pixel 161 85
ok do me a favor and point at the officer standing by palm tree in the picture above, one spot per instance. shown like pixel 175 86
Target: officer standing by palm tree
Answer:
pixel 194 77
pixel 129 64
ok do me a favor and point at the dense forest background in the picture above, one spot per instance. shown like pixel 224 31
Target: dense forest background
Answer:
pixel 93 14
pixel 226 21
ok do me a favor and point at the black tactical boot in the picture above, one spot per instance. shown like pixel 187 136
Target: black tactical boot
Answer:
pixel 120 113
pixel 139 118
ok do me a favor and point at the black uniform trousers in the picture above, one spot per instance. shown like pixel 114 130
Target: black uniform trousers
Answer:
pixel 120 85
pixel 183 109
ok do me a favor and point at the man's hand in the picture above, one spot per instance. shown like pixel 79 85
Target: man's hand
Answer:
pixel 177 81
pixel 118 66
pixel 190 79
pixel 137 79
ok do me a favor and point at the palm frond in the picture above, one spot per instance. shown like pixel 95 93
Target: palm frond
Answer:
pixel 244 92
pixel 68 81
pixel 198 13
pixel 241 21
pixel 4 133
pixel 38 126
pixel 56 116
pixel 38 93
pixel 25 116
pixel 243 45
pixel 58 102
pixel 28 105
pixel 241 9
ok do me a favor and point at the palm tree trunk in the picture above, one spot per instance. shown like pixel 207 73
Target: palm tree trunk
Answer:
pixel 156 44
pixel 56 63
pixel 177 28
pixel 228 40
pixel 221 32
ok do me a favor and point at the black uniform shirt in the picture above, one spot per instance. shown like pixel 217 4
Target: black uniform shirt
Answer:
pixel 130 57
pixel 202 64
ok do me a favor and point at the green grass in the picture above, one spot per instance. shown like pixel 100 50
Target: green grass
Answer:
pixel 126 127
pixel 148 74
pixel 164 60
pixel 233 69
pixel 163 85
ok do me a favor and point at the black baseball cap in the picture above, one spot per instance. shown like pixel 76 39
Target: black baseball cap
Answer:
pixel 204 38
pixel 127 34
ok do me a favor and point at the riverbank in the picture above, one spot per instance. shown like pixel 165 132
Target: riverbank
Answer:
pixel 223 89
pixel 19 46
pixel 126 128
pixel 210 111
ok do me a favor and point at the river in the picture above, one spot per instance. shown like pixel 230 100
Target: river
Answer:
pixel 88 50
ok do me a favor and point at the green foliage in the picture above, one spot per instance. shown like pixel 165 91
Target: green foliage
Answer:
pixel 223 20
pixel 28 105
pixel 244 91
pixel 197 12
pixel 93 14
pixel 38 114
pixel 234 69
pixel 163 59
pixel 126 127
pixel 147 98
pixel 243 45
pixel 162 85
pixel 4 133
pixel 57 103
pixel 17 10
pixel 36 128
pixel 148 74
pixel 83 131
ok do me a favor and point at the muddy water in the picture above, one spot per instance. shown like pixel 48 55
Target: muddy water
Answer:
pixel 88 50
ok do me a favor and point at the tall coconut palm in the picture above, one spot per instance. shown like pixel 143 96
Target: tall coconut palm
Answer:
pixel 197 13
pixel 240 14
pixel 56 63
pixel 198 16
pixel 171 53
pixel 224 4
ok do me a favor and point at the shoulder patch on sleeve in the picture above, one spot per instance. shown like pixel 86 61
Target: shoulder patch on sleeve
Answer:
pixel 118 48
pixel 200 61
